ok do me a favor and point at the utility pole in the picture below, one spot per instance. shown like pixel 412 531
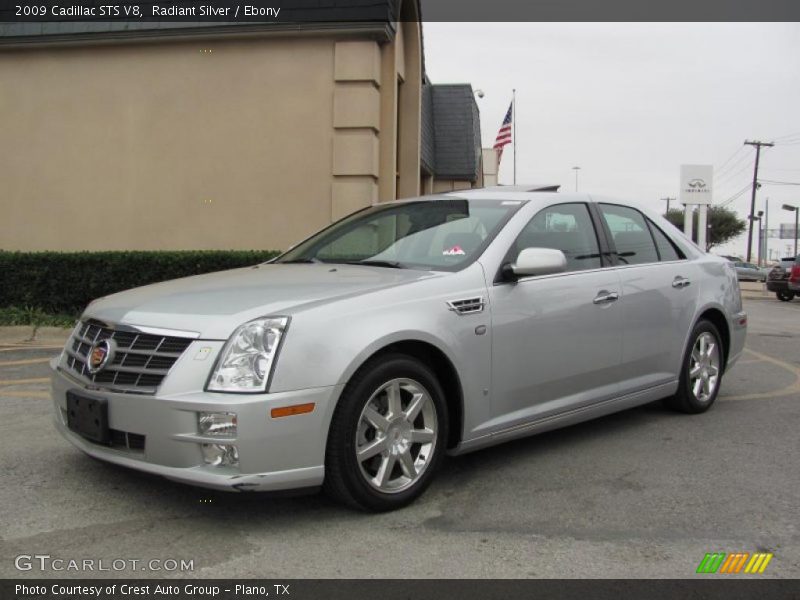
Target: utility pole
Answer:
pixel 668 201
pixel 758 144
pixel 766 229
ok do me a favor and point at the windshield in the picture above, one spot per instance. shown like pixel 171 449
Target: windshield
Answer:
pixel 425 234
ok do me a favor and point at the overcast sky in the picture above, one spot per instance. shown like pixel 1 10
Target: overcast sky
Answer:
pixel 629 103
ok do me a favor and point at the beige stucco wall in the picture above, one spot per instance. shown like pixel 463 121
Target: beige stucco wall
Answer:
pixel 450 185
pixel 215 144
pixel 166 145
pixel 490 166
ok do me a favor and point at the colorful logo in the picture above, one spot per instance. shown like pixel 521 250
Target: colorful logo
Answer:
pixel 735 562
pixel 99 356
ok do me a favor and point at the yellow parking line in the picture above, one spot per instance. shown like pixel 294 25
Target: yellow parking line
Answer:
pixel 29 361
pixel 793 388
pixel 23 381
pixel 17 348
pixel 23 394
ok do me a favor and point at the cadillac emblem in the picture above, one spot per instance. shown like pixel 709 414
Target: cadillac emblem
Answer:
pixel 100 354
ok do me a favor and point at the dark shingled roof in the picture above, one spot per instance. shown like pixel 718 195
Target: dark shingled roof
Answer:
pixel 451 132
pixel 427 144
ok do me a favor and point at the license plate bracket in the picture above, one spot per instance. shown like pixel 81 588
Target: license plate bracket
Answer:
pixel 88 417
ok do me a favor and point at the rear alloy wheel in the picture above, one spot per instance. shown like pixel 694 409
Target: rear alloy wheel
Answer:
pixel 701 375
pixel 387 436
pixel 784 295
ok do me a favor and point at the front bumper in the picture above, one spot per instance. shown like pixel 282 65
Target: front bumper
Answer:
pixel 274 454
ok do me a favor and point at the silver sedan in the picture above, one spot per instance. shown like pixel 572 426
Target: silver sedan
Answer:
pixel 405 331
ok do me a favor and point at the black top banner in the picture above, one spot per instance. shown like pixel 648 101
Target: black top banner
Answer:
pixel 354 11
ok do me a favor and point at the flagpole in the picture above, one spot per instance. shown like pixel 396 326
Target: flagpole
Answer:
pixel 514 133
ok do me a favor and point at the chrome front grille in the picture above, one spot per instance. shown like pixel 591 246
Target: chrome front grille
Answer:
pixel 140 361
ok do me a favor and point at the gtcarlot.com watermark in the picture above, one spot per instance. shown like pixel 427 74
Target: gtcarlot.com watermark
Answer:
pixel 45 562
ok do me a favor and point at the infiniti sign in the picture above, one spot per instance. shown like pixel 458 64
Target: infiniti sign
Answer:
pixel 696 184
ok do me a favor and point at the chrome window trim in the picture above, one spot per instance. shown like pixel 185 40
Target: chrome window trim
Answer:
pixel 608 268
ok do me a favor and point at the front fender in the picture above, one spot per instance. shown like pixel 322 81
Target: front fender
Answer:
pixel 327 345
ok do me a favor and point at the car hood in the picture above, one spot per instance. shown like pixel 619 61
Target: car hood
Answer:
pixel 214 304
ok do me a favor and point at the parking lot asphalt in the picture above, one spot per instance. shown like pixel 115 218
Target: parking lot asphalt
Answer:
pixel 642 493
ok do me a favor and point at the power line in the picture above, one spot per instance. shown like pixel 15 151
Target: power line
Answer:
pixel 730 176
pixel 736 196
pixel 788 135
pixel 771 182
pixel 722 166
pixel 724 172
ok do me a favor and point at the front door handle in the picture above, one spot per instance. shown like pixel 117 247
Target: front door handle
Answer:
pixel 680 282
pixel 604 297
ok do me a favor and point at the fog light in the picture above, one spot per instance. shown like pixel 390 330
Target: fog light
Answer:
pixel 217 424
pixel 220 455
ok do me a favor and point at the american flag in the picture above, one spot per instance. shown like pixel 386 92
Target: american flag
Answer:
pixel 504 135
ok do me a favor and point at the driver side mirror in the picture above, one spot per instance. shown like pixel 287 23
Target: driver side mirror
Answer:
pixel 537 261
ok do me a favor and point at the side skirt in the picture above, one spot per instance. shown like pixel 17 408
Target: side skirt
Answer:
pixel 570 417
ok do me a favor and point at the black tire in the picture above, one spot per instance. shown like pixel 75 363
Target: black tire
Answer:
pixel 685 399
pixel 784 295
pixel 345 481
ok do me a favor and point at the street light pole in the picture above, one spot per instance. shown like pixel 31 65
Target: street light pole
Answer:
pixel 753 219
pixel 576 169
pixel 760 218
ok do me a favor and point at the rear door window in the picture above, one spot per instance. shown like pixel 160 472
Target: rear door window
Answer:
pixel 666 248
pixel 631 235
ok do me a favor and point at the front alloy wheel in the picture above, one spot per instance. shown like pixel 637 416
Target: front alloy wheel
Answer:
pixel 388 434
pixel 396 435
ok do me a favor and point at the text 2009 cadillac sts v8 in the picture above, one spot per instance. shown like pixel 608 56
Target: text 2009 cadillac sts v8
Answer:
pixel 409 329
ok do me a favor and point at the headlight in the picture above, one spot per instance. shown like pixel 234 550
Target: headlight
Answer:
pixel 245 363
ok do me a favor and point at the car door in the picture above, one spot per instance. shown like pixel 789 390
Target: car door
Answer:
pixel 753 272
pixel 556 339
pixel 659 293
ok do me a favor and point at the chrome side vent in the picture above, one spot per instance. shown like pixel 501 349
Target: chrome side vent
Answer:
pixel 467 306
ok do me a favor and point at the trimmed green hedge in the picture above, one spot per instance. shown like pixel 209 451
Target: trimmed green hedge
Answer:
pixel 65 282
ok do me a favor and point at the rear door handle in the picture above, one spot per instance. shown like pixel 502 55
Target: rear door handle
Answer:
pixel 604 297
pixel 680 282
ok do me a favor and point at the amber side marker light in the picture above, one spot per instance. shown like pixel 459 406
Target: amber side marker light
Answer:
pixel 288 411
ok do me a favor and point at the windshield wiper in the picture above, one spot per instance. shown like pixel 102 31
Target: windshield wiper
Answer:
pixel 297 261
pixel 376 263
